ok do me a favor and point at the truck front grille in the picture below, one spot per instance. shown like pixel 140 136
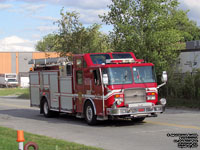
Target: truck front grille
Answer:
pixel 137 95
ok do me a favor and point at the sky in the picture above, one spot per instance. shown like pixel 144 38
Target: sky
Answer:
pixel 24 22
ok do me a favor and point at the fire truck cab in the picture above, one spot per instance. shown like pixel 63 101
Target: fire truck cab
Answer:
pixel 96 86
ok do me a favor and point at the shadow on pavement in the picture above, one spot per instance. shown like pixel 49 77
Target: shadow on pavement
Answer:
pixel 63 118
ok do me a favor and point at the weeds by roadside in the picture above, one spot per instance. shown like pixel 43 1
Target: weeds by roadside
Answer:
pixel 22 93
pixel 8 141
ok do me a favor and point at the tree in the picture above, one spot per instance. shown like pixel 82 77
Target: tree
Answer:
pixel 95 41
pixel 48 43
pixel 70 32
pixel 76 38
pixel 148 28
pixel 73 37
pixel 189 29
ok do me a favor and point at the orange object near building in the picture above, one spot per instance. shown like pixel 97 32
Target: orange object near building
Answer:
pixel 17 62
pixel 5 62
pixel 20 136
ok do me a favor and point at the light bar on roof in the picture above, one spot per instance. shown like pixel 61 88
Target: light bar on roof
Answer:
pixel 119 61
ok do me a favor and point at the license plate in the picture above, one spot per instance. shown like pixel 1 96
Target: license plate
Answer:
pixel 141 110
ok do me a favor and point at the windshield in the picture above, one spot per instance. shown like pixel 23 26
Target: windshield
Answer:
pixel 144 74
pixel 10 76
pixel 120 75
pixel 99 58
pixel 12 80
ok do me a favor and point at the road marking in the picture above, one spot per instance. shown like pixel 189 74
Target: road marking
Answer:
pixel 174 125
pixel 16 106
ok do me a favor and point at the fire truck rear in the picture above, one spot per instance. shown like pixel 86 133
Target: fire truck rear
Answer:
pixel 96 86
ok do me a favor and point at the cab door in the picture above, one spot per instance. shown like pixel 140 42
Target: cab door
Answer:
pixel 96 83
pixel 97 91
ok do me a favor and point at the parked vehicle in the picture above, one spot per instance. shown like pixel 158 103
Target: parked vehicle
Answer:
pixel 24 82
pixel 8 80
pixel 96 86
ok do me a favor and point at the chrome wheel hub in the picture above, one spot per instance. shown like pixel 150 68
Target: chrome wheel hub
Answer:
pixel 45 108
pixel 89 113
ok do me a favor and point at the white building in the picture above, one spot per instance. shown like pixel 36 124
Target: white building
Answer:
pixel 189 59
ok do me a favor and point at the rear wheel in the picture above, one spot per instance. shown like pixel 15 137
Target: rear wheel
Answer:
pixel 90 116
pixel 138 119
pixel 46 111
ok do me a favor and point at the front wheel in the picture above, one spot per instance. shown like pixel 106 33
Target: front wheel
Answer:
pixel 90 117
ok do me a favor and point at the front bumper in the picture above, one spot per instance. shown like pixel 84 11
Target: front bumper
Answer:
pixel 147 111
pixel 12 85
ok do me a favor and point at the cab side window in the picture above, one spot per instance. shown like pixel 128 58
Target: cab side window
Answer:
pixel 69 69
pixel 96 77
pixel 79 63
pixel 79 77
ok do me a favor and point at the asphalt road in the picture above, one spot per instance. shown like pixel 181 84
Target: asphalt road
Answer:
pixel 152 134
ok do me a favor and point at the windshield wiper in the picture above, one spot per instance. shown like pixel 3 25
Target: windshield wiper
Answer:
pixel 124 80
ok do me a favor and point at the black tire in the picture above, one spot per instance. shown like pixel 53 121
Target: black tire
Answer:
pixel 46 111
pixel 90 117
pixel 138 119
pixel 31 144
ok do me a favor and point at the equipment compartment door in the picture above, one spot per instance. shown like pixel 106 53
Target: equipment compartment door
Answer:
pixel 54 98
pixel 35 89
pixel 66 93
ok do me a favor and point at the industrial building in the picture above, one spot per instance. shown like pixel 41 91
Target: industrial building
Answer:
pixel 17 62
pixel 189 59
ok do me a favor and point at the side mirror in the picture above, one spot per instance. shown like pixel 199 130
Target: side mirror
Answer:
pixel 105 79
pixel 164 77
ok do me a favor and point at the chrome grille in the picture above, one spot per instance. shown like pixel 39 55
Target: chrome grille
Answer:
pixel 137 95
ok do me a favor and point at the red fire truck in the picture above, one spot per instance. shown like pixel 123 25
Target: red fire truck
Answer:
pixel 96 86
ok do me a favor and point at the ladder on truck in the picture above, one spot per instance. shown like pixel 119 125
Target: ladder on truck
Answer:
pixel 49 61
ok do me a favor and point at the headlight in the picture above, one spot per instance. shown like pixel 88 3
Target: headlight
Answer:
pixel 151 97
pixel 163 101
pixel 119 99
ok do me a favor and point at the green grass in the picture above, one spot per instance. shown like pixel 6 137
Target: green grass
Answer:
pixel 8 141
pixel 20 92
pixel 181 102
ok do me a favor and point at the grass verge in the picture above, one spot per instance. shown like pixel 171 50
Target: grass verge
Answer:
pixel 20 92
pixel 180 102
pixel 8 141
